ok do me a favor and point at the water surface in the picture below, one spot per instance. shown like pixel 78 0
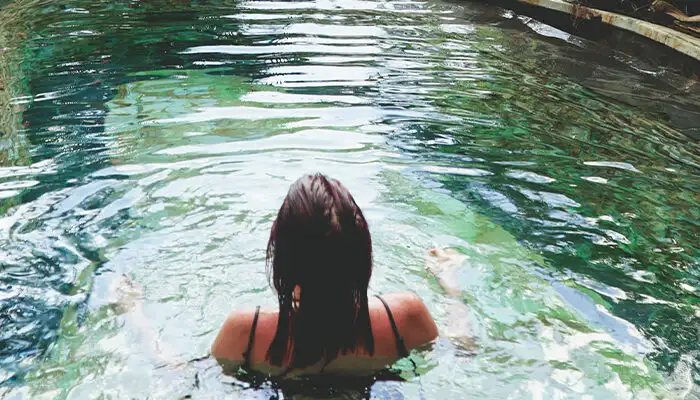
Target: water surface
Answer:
pixel 155 141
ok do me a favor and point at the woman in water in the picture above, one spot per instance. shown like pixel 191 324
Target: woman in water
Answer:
pixel 319 259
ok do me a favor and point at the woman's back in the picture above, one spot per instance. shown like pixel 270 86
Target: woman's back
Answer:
pixel 414 327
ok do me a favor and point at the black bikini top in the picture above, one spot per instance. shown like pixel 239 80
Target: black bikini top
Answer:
pixel 400 345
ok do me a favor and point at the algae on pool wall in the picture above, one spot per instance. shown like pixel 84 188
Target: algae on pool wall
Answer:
pixel 13 35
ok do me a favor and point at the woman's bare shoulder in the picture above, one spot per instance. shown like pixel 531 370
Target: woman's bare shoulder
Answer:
pixel 232 340
pixel 413 318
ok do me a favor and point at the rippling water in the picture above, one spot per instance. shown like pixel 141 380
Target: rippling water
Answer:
pixel 155 140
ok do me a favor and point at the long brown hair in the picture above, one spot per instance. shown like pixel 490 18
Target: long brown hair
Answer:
pixel 320 242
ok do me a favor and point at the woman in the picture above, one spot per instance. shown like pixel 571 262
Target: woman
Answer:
pixel 319 258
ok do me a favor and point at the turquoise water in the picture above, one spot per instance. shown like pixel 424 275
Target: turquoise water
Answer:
pixel 156 140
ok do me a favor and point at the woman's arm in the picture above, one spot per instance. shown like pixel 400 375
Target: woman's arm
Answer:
pixel 126 296
pixel 444 264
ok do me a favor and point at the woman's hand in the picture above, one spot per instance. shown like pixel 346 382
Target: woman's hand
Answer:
pixel 444 263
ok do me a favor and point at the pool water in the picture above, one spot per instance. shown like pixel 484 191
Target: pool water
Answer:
pixel 146 146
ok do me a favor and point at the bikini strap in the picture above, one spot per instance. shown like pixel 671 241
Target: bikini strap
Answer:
pixel 251 340
pixel 400 345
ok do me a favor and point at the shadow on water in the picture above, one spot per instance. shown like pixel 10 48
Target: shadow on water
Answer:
pixel 156 139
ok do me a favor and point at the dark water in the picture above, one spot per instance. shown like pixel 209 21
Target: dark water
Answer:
pixel 156 139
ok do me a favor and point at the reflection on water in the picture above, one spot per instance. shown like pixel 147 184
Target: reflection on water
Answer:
pixel 156 140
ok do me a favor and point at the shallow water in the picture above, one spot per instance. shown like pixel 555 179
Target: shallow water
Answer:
pixel 156 141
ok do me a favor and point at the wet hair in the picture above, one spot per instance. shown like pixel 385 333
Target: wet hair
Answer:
pixel 320 241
